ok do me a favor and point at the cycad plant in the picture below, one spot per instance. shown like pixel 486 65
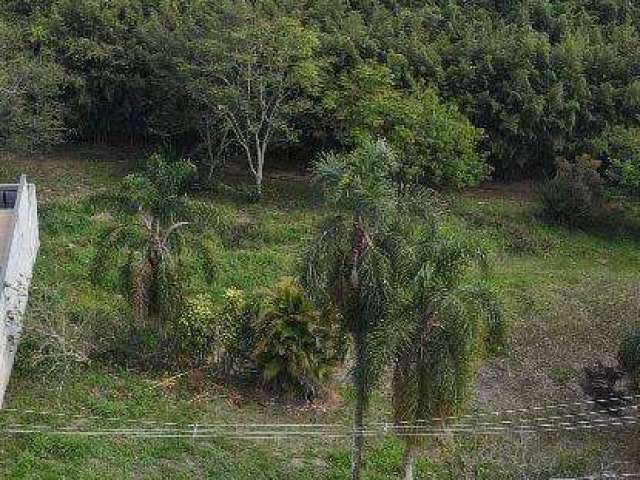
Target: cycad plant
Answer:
pixel 448 313
pixel 350 263
pixel 297 346
pixel 147 207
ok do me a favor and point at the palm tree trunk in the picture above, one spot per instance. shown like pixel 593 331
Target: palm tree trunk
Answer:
pixel 409 460
pixel 358 440
pixel 360 381
pixel 361 374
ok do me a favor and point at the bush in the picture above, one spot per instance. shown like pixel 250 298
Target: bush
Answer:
pixel 574 196
pixel 218 335
pixel 234 333
pixel 620 147
pixel 436 144
pixel 629 359
pixel 443 146
pixel 296 346
pixel 191 337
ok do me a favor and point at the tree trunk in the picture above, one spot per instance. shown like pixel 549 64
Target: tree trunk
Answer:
pixel 209 144
pixel 360 384
pixel 409 460
pixel 358 440
pixel 258 186
pixel 259 173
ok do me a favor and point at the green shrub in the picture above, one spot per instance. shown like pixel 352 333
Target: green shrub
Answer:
pixel 191 337
pixel 620 146
pixel 296 347
pixel 575 195
pixel 629 359
pixel 219 334
pixel 234 334
pixel 436 144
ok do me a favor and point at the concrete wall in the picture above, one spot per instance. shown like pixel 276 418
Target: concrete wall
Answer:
pixel 15 277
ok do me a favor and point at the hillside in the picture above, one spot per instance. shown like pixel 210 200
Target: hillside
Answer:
pixel 570 296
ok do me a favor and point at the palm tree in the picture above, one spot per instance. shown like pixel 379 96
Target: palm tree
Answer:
pixel 155 197
pixel 350 263
pixel 448 313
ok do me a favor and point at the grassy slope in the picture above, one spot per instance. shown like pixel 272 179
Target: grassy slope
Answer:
pixel 570 296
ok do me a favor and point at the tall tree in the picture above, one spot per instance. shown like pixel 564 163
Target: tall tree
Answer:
pixel 448 314
pixel 250 73
pixel 351 261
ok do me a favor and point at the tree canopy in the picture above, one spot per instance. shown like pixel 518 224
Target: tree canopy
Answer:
pixel 520 84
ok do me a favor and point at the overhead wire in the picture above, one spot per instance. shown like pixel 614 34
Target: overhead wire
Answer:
pixel 505 422
pixel 200 431
pixel 600 476
pixel 510 413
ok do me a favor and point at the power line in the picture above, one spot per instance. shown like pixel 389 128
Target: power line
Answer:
pixel 198 431
pixel 511 414
pixel 600 476
pixel 558 406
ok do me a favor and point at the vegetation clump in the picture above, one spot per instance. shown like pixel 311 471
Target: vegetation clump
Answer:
pixel 620 147
pixel 297 347
pixel 436 145
pixel 629 360
pixel 248 81
pixel 145 239
pixel 395 283
pixel 575 194
pixel 401 97
pixel 31 86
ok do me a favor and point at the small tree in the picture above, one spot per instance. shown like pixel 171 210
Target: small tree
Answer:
pixel 448 313
pixel 350 263
pixel 156 196
pixel 249 74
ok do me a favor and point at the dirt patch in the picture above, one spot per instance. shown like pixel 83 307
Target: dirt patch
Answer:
pixel 554 340
pixel 238 172
pixel 70 172
pixel 521 191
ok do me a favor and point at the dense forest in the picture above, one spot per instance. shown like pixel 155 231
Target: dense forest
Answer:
pixel 462 88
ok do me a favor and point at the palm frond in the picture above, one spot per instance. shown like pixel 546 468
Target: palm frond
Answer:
pixel 121 237
pixel 171 229
pixel 324 260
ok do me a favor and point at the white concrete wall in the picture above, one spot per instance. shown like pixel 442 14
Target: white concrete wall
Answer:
pixel 16 278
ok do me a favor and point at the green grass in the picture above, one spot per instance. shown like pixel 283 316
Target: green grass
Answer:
pixel 570 296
